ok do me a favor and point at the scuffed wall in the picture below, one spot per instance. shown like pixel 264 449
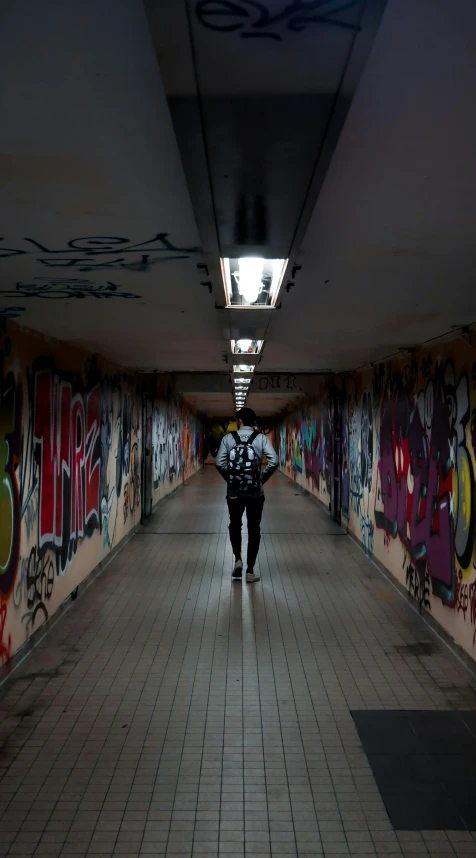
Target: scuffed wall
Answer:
pixel 177 444
pixel 408 470
pixel 71 470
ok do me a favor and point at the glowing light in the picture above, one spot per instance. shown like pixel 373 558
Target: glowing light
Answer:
pixel 250 347
pixel 249 277
pixel 244 345
pixel 252 281
pixel 243 368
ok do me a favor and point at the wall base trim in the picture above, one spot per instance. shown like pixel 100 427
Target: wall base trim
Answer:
pixel 434 626
pixel 42 631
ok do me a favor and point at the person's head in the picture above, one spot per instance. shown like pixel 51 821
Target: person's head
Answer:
pixel 246 417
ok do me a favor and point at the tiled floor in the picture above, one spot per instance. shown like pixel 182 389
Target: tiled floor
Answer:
pixel 173 712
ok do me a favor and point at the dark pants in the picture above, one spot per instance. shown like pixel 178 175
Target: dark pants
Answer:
pixel 254 511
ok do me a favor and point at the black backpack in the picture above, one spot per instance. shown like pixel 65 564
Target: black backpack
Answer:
pixel 244 466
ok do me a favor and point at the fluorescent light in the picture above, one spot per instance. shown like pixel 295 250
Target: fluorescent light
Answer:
pixel 243 367
pixel 244 345
pixel 249 277
pixel 251 281
pixel 250 347
pixel 242 380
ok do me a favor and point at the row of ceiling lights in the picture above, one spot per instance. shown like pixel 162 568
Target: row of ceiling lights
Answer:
pixel 250 282
pixel 241 383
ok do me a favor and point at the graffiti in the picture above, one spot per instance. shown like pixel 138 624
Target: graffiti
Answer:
pixel 458 401
pixel 306 444
pixel 355 469
pixel 125 506
pixel 278 382
pixel 64 288
pixel 35 586
pixel 134 479
pixel 296 450
pixel 366 443
pixel 177 441
pixel 28 469
pixel 345 482
pixel 408 446
pixel 67 447
pixel 62 464
pixel 367 533
pixel 10 423
pixel 87 254
pixel 417 587
pixel 11 312
pixel 465 600
pixel 360 451
pixel 426 475
pixel 253 19
pixel 159 446
pixel 132 486
pixel 30 516
pixel 123 459
pixel 216 431
pixel 5 645
pixel 174 447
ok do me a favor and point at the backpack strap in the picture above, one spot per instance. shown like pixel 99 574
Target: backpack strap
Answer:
pixel 252 437
pixel 236 437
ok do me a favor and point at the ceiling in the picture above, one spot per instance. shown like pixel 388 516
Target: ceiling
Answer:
pixel 90 170
pixel 350 151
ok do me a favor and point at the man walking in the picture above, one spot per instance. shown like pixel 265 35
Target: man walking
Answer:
pixel 239 462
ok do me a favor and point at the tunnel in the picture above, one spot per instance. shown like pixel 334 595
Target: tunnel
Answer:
pixel 238 428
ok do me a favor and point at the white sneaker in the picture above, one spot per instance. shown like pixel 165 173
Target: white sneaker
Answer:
pixel 251 577
pixel 238 569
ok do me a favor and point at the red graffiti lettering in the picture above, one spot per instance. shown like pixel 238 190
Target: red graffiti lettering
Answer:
pixel 64 456
pixel 5 646
pixel 93 459
pixel 78 458
pixel 66 440
pixel 44 439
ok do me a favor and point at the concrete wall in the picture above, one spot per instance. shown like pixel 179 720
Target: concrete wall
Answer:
pixel 70 471
pixel 408 472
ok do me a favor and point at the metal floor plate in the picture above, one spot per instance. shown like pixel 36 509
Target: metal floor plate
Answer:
pixel 424 763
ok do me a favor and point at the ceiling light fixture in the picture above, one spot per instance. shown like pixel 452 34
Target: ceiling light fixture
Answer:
pixel 252 281
pixel 242 347
pixel 243 367
pixel 249 276
pixel 278 266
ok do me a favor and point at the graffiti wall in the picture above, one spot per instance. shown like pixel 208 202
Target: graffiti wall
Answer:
pixel 177 444
pixel 408 474
pixel 305 444
pixel 70 462
pixel 421 469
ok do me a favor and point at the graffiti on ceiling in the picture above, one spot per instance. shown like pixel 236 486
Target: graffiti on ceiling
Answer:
pixel 252 19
